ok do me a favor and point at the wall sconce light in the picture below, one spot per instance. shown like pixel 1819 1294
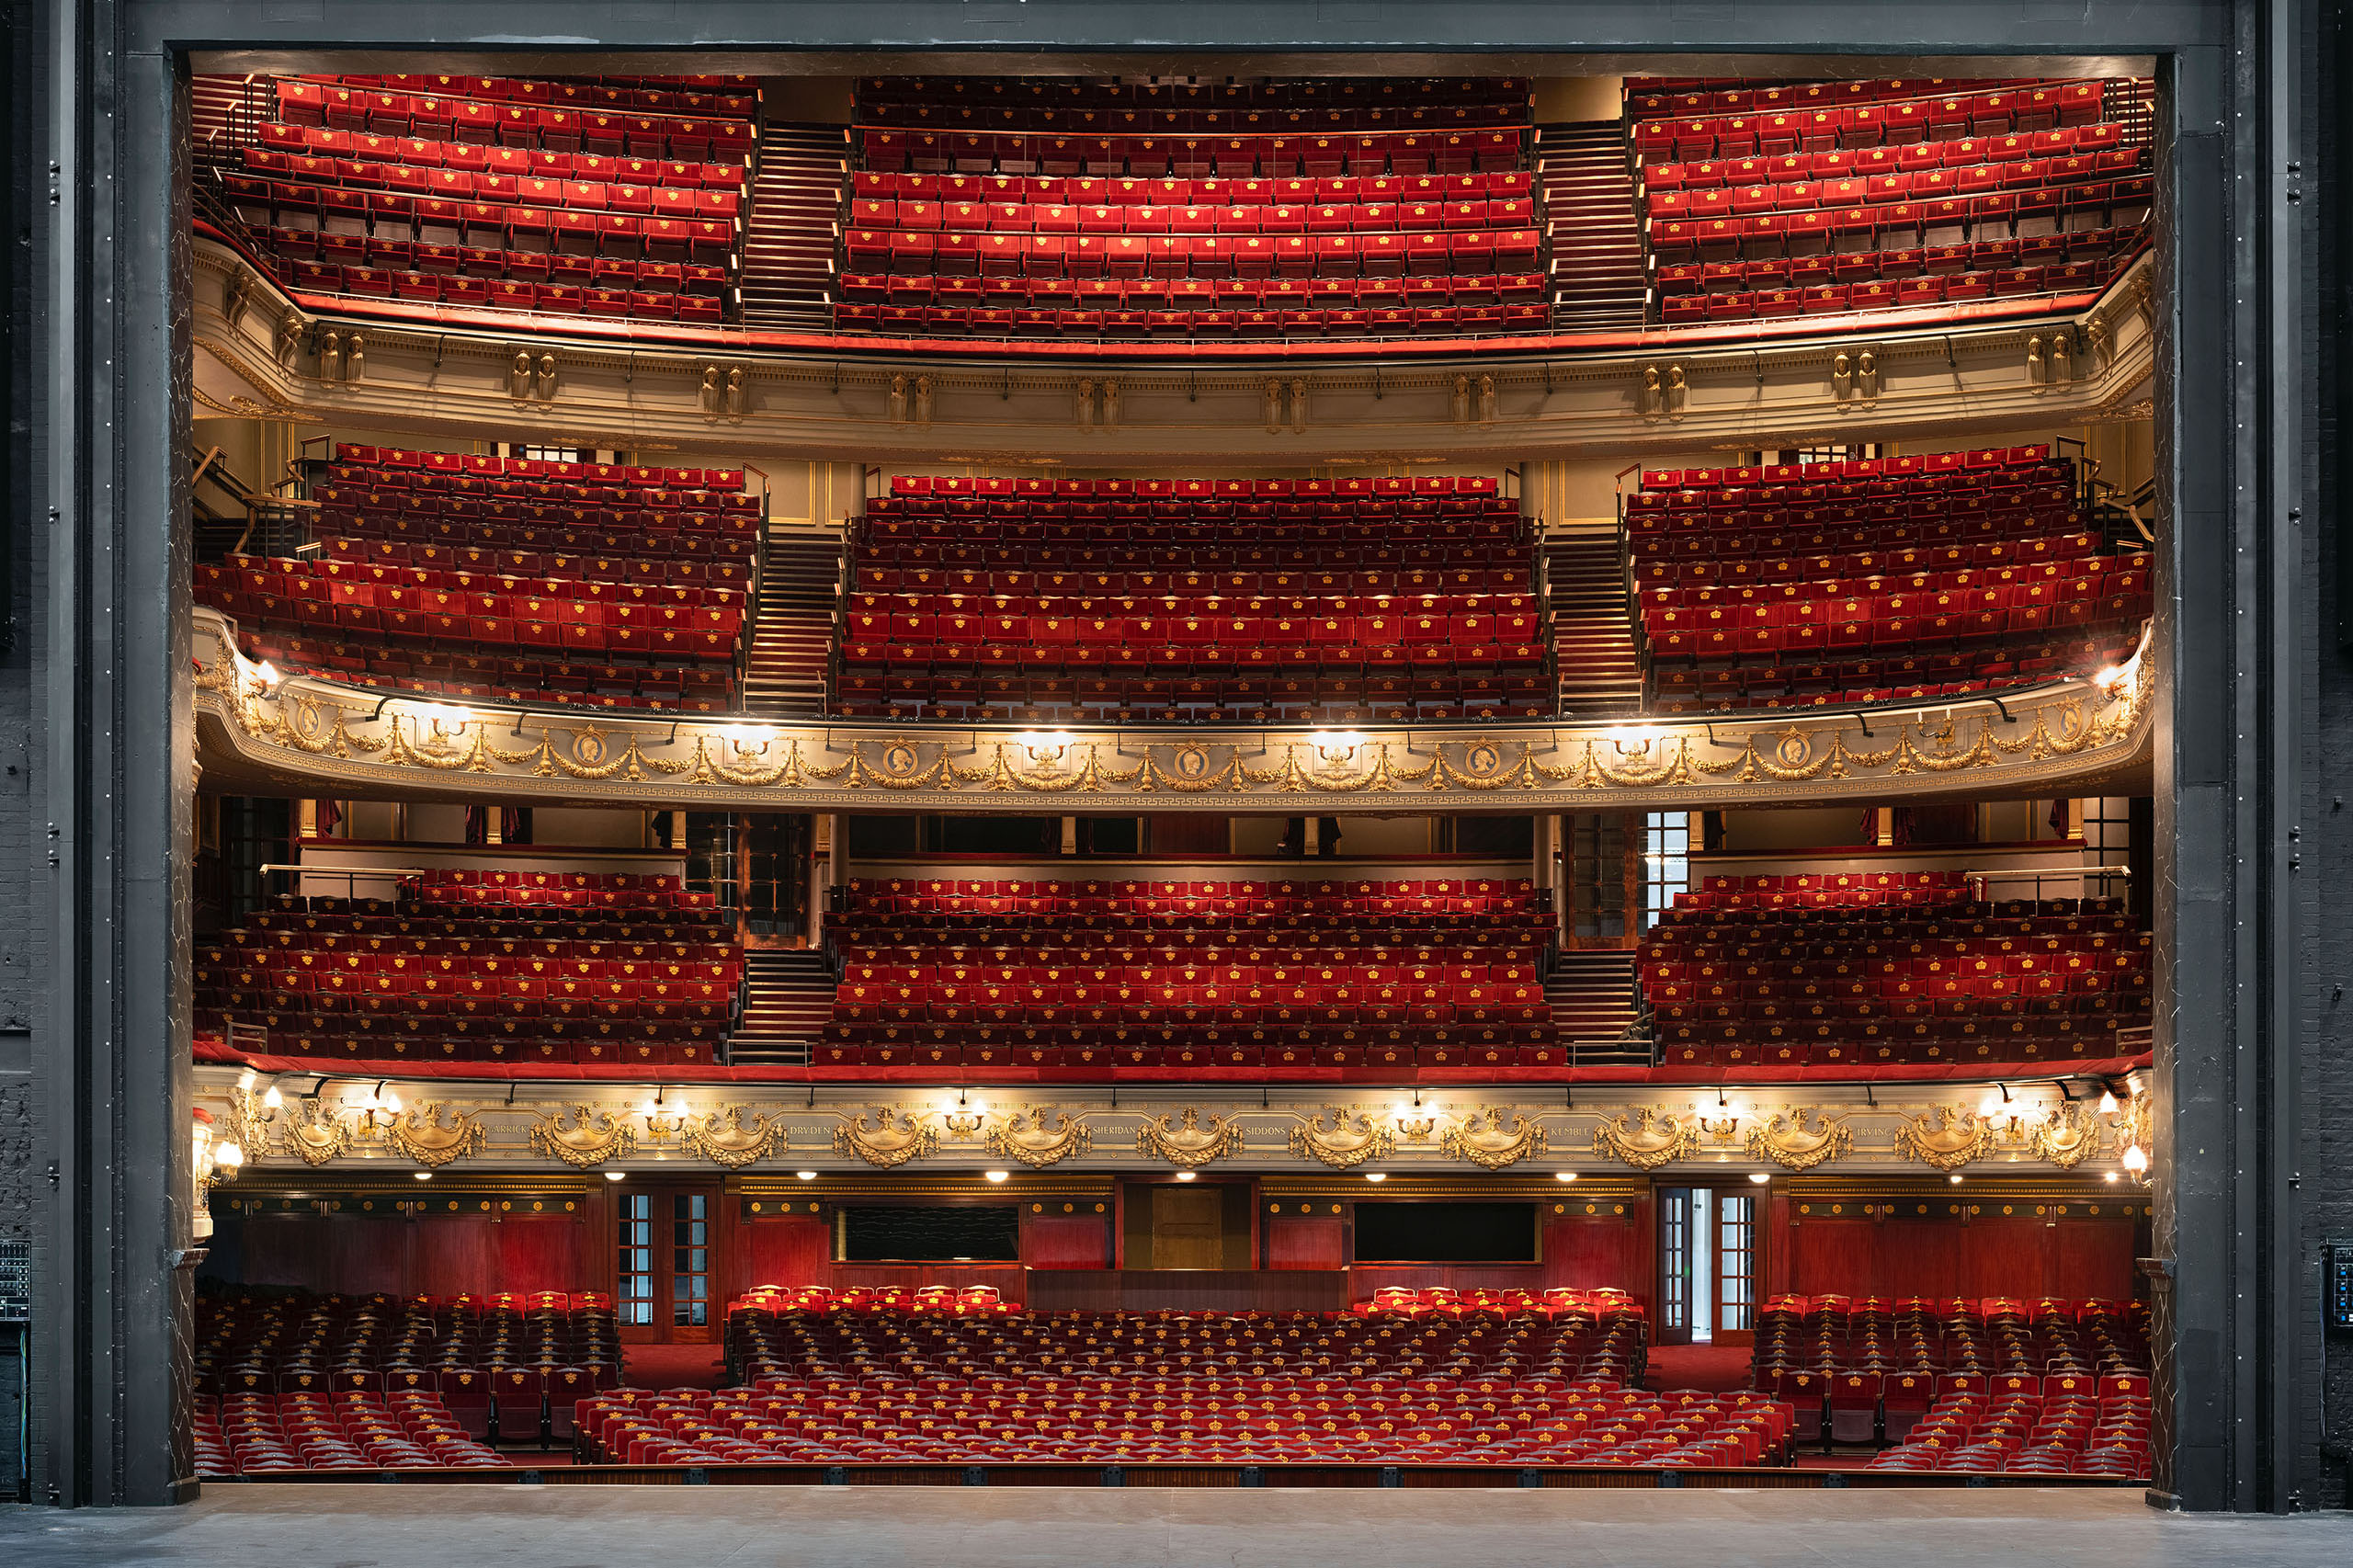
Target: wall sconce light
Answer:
pixel 660 1125
pixel 1414 1124
pixel 1335 747
pixel 445 721
pixel 965 1121
pixel 266 680
pixel 1043 745
pixel 1633 740
pixel 750 739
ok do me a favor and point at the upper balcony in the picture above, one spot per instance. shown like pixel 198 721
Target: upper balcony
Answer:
pixel 1077 271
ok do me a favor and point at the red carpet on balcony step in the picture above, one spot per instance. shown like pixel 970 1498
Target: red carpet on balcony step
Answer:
pixel 672 1365
pixel 1714 1368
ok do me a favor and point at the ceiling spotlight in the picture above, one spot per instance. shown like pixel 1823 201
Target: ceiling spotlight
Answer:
pixel 1760 1177
pixel 995 1175
pixel 2112 1177
pixel 1564 1175
pixel 1188 1176
pixel 420 1176
pixel 1954 1178
pixel 1376 1175
pixel 806 1176
pixel 613 1175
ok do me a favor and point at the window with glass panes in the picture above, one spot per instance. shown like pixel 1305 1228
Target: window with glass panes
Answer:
pixel 690 1260
pixel 636 1291
pixel 1666 862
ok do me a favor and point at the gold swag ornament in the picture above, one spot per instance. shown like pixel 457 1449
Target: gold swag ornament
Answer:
pixel 419 1134
pixel 1489 1145
pixel 1347 1143
pixel 1784 1138
pixel 317 1133
pixel 721 1137
pixel 591 1138
pixel 2067 1136
pixel 1648 1139
pixel 1184 1142
pixel 892 1142
pixel 1036 1141
pixel 1946 1138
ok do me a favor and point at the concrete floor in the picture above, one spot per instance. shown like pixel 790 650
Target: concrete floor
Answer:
pixel 574 1526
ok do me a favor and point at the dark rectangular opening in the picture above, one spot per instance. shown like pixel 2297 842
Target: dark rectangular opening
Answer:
pixel 1409 1231
pixel 944 1234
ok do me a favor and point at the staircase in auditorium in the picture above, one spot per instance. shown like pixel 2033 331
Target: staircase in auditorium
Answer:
pixel 784 676
pixel 1591 992
pixel 1599 283
pixel 789 252
pixel 788 995
pixel 1593 637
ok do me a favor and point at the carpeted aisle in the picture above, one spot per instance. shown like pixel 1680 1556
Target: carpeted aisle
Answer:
pixel 672 1365
pixel 1711 1369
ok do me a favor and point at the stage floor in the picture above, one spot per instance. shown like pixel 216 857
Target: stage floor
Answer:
pixel 252 1525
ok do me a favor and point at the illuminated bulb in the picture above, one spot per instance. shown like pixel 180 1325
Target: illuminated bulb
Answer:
pixel 613 1175
pixel 1632 737
pixel 271 1099
pixel 1954 1178
pixel 806 1176
pixel 265 673
pixel 752 734
pixel 2106 1103
pixel 1188 1176
pixel 1338 743
pixel 1564 1175
pixel 2113 676
pixel 1760 1177
pixel 1376 1175
pixel 650 1109
pixel 995 1175
pixel 2136 1158
pixel 2111 1175
pixel 391 1102
pixel 420 1176
pixel 1043 743
pixel 228 1156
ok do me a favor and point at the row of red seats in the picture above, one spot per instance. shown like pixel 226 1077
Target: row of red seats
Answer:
pixel 1898 228
pixel 475 677
pixel 461 580
pixel 1901 293
pixel 1825 1052
pixel 731 96
pixel 1459 321
pixel 1917 679
pixel 420 170
pixel 1049 288
pixel 1785 124
pixel 1372 226
pixel 559 115
pixel 1447 1301
pixel 1839 165
pixel 1912 471
pixel 981 901
pixel 609 890
pixel 702 564
pixel 1927 172
pixel 2093 603
pixel 419 153
pixel 988 94
pixel 1654 97
pixel 1206 494
pixel 486 279
pixel 385 917
pixel 953 694
pixel 250 1434
pixel 553 298
pixel 558 479
pixel 2075 247
pixel 988 194
pixel 2068 1434
pixel 1414 148
pixel 1210 253
pixel 663 634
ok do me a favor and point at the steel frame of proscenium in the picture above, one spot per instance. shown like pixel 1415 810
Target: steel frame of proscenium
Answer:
pixel 2238 607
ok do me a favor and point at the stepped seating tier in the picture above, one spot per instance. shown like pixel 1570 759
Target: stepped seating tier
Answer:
pixel 958 1377
pixel 613 586
pixel 989 208
pixel 1777 201
pixel 1874 580
pixel 1259 600
pixel 1174 978
pixel 289 1381
pixel 624 200
pixel 519 969
pixel 1996 1384
pixel 1893 967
